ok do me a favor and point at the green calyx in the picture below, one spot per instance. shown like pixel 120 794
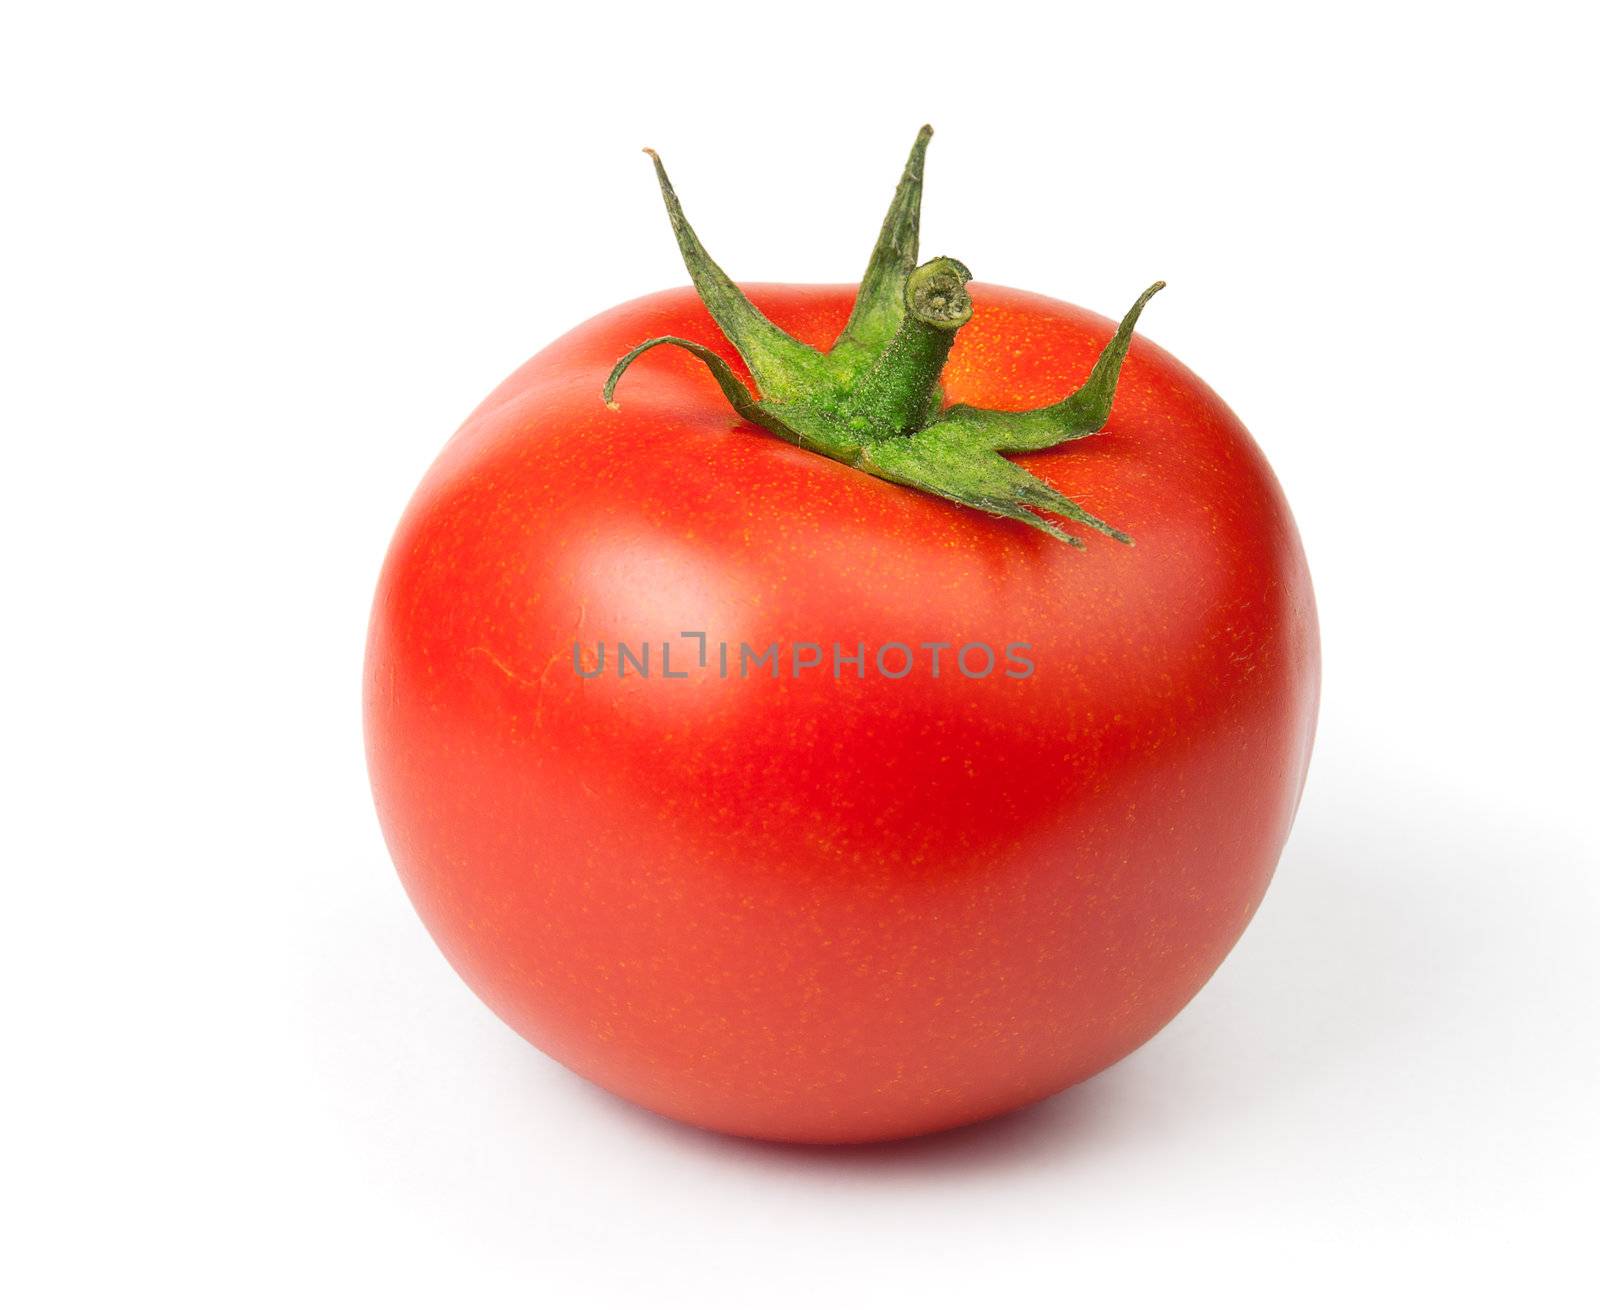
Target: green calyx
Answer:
pixel 873 401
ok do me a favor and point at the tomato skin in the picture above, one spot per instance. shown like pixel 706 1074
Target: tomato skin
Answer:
pixel 837 911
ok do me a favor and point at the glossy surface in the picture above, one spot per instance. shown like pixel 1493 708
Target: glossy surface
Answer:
pixel 836 910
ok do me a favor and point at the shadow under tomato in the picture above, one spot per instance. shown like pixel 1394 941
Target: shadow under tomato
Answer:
pixel 1020 1136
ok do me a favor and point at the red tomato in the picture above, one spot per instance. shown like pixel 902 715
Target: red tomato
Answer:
pixel 819 908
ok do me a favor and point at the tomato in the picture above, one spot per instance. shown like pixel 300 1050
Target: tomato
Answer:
pixel 807 898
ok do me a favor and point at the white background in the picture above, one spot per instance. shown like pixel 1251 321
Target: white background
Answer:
pixel 258 263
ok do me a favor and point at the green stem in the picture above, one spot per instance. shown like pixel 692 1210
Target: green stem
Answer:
pixel 899 393
pixel 874 401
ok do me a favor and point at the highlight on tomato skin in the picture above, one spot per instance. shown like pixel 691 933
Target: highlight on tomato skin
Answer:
pixel 832 714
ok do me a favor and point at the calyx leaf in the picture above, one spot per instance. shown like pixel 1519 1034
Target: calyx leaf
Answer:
pixel 873 400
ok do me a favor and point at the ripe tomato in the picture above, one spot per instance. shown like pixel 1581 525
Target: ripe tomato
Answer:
pixel 836 905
